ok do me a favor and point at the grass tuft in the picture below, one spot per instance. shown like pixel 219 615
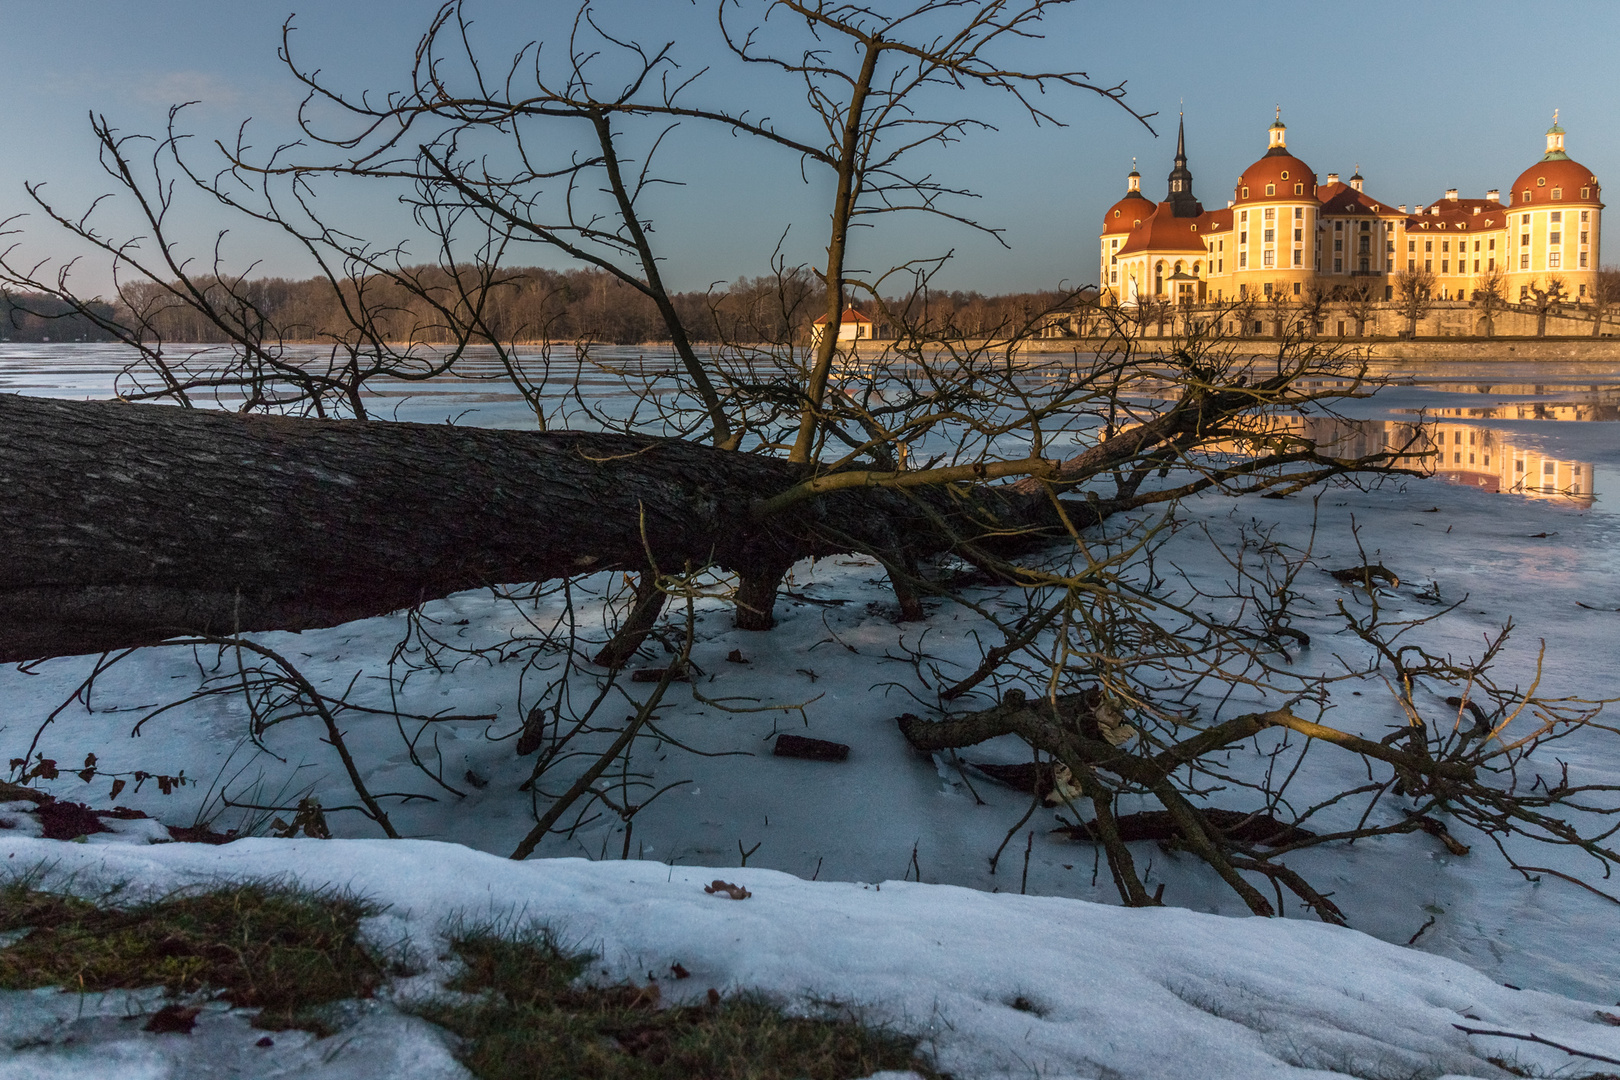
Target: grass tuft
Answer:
pixel 283 950
pixel 523 1013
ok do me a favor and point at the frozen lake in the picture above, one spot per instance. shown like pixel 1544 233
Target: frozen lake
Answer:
pixel 1520 521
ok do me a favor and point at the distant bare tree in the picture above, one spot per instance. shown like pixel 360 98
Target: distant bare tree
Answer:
pixel 1414 296
pixel 1490 297
pixel 1604 294
pixel 1279 304
pixel 1313 305
pixel 1543 302
pixel 1359 303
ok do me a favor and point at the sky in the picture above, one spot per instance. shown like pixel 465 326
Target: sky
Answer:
pixel 1422 96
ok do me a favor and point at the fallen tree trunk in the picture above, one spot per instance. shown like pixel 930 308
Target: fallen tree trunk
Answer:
pixel 122 525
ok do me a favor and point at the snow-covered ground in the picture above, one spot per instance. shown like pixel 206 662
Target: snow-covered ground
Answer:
pixel 1000 986
pixel 1126 988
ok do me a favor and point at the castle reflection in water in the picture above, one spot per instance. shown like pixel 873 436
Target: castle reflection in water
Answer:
pixel 1458 453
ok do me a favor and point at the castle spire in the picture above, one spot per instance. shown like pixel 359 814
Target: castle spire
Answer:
pixel 1133 182
pixel 1182 201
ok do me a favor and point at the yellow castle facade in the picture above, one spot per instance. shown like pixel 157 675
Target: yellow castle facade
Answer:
pixel 1284 230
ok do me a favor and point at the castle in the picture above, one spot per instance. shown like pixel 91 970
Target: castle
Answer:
pixel 1282 231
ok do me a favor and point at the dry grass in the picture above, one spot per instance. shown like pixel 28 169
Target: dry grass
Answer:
pixel 282 950
pixel 527 1015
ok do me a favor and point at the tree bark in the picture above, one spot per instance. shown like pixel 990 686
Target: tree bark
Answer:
pixel 122 525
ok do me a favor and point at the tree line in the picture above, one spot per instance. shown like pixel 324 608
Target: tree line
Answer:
pixel 521 304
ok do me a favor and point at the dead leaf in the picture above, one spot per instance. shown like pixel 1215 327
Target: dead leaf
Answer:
pixel 1608 1018
pixel 736 657
pixel 679 972
pixel 736 892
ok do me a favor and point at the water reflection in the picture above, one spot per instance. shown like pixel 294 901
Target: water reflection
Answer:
pixel 1457 453
pixel 1596 410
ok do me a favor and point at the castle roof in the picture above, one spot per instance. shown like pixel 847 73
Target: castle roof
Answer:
pixel 1556 174
pixel 1342 200
pixel 1165 232
pixel 1123 215
pixel 1283 172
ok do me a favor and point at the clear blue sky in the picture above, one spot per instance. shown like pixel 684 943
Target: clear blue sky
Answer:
pixel 1423 96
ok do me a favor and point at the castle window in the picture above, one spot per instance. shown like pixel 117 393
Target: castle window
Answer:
pixel 1296 288
pixel 1113 260
pixel 1476 266
pixel 1243 260
pixel 1270 258
pixel 1554 260
pixel 1524 261
pixel 1411 264
pixel 1558 193
pixel 1555 238
pixel 1137 224
pixel 1270 235
pixel 1298 261
pixel 1586 193
pixel 1526 195
pixel 1490 264
pixel 1428 266
pixel 1285 174
pixel 1338 266
pixel 1338 226
pixel 1583 265
pixel 1428 245
pixel 1113 277
pixel 1115 243
pixel 1338 244
pixel 1445 266
pixel 1411 245
pixel 1299 213
pixel 1271 213
pixel 1490 245
pixel 1445 245
pixel 1244 215
pixel 1476 245
pixel 1298 235
pixel 1271 189
pixel 1557 215
pixel 1220 266
pixel 1524 241
pixel 1586 215
pixel 1541 181
pixel 1299 189
pixel 1246 195
pixel 1116 213
pixel 1583 237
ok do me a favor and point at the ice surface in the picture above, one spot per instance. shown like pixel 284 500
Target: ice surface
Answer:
pixel 1552 566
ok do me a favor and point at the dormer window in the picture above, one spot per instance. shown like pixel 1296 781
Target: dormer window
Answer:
pixel 1558 193
pixel 1245 193
pixel 1541 181
pixel 1271 189
pixel 1285 174
pixel 1195 228
pixel 1586 193
pixel 1526 195
pixel 1116 213
pixel 1299 189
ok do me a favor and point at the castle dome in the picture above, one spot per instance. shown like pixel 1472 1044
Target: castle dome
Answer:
pixel 1130 211
pixel 1277 177
pixel 1556 178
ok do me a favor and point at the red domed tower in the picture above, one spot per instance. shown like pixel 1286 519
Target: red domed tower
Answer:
pixel 1554 214
pixel 1126 214
pixel 1274 209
